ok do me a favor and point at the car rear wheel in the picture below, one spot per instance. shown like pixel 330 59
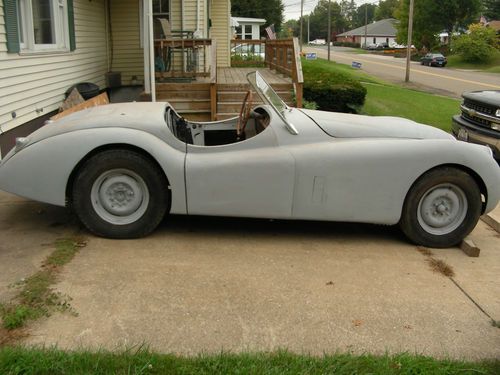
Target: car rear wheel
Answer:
pixel 120 194
pixel 441 208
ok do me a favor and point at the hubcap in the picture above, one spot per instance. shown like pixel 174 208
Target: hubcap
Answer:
pixel 442 209
pixel 120 196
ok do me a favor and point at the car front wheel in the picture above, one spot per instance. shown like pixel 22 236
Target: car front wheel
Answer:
pixel 441 208
pixel 120 194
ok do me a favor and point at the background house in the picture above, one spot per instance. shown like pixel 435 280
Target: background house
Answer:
pixel 383 31
pixel 247 28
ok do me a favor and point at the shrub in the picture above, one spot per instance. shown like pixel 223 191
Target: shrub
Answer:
pixel 331 92
pixel 477 46
pixel 346 44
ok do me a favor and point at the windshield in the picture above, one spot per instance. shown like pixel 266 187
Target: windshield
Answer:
pixel 269 96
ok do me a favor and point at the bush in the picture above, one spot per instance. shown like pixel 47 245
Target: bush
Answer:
pixel 346 44
pixel 331 92
pixel 478 46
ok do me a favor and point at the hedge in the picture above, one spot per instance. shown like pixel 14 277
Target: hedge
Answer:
pixel 335 92
pixel 346 44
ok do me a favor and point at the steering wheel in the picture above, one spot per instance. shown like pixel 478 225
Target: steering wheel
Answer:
pixel 246 107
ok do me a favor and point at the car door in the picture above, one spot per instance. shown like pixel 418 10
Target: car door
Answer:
pixel 252 178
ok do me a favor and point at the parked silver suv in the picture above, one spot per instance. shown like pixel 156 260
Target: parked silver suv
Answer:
pixel 479 121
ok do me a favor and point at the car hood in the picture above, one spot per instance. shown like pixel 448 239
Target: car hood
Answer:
pixel 490 97
pixel 343 125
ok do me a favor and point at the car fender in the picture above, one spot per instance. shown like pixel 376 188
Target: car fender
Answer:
pixel 367 180
pixel 41 170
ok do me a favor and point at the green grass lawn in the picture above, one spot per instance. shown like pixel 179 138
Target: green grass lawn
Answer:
pixel 493 66
pixel 17 360
pixel 385 99
pixel 388 100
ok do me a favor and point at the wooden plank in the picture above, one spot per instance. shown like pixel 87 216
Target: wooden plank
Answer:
pixel 94 102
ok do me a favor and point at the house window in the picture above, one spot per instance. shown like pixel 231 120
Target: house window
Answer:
pixel 244 32
pixel 161 9
pixel 248 32
pixel 43 25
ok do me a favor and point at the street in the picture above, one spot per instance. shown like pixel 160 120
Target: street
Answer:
pixel 449 82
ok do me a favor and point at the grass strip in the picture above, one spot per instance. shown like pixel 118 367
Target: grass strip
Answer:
pixel 386 99
pixel 40 361
pixel 36 298
pixel 493 66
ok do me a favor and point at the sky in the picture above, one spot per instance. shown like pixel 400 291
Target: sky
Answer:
pixel 292 7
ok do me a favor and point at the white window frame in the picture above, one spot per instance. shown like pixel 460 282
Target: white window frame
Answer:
pixel 26 24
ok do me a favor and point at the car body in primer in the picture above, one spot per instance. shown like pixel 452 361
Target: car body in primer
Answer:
pixel 303 164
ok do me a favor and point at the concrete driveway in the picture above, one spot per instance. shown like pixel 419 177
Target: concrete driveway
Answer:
pixel 209 284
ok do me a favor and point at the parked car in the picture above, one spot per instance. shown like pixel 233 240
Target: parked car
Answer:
pixel 434 59
pixel 318 42
pixel 479 121
pixel 122 167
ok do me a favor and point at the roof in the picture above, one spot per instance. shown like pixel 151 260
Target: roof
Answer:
pixel 385 27
pixel 494 25
pixel 245 20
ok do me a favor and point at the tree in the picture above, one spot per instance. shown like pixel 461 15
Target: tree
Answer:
pixel 290 28
pixel 270 10
pixel 319 20
pixel 492 9
pixel 348 10
pixel 386 9
pixel 478 45
pixel 432 17
pixel 359 16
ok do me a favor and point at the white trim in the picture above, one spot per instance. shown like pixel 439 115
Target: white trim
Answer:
pixel 151 52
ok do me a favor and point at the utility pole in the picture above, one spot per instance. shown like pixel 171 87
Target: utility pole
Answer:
pixel 301 22
pixel 329 36
pixel 408 47
pixel 308 29
pixel 366 26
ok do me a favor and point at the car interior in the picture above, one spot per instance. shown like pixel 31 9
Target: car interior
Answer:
pixel 249 123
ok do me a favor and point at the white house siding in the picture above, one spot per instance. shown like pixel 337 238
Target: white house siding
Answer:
pixel 221 30
pixel 33 85
pixel 127 56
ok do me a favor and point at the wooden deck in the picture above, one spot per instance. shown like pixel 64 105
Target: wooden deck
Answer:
pixel 239 75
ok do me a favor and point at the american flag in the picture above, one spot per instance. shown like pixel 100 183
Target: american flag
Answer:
pixel 271 33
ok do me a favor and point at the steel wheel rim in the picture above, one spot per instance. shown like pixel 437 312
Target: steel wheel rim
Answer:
pixel 442 209
pixel 119 196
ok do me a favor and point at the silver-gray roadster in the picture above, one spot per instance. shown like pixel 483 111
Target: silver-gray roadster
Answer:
pixel 122 167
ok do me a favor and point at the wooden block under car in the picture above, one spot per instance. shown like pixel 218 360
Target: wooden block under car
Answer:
pixel 469 247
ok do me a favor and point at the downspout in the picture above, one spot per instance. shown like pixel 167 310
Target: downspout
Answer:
pixel 145 46
pixel 151 51
pixel 197 32
pixel 109 52
pixel 182 15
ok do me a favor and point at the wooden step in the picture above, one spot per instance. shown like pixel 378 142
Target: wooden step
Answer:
pixel 225 116
pixel 196 94
pixel 234 96
pixel 193 86
pixel 246 86
pixel 188 104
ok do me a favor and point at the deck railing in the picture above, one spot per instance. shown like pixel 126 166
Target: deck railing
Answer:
pixel 283 56
pixel 177 58
pixel 248 52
